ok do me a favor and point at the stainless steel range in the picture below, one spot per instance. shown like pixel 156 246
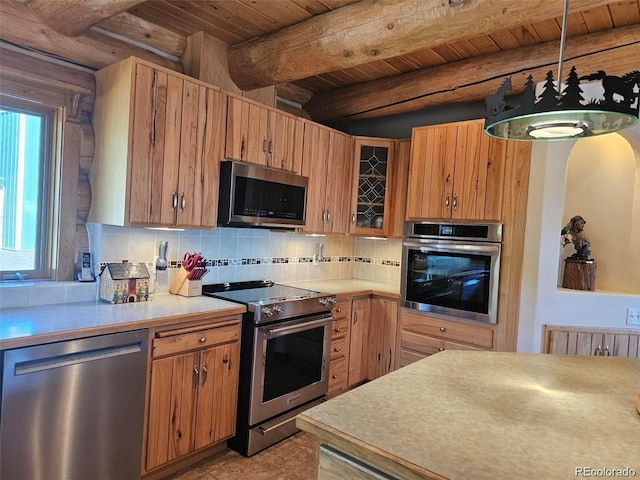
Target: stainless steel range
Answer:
pixel 284 358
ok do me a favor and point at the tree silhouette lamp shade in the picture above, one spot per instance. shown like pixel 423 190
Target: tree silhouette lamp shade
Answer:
pixel 590 105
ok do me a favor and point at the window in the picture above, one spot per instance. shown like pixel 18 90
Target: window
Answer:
pixel 25 176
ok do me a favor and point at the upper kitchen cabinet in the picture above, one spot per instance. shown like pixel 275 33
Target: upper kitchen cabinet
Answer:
pixel 371 196
pixel 263 135
pixel 456 172
pixel 326 160
pixel 158 144
pixel 399 181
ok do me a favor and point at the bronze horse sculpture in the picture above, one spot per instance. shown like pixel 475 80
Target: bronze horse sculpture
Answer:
pixel 573 232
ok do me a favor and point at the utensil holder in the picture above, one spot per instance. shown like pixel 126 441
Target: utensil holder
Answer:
pixel 181 285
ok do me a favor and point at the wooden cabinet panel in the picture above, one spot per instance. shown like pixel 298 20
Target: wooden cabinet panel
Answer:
pixel 338 374
pixel 399 185
pixel 371 185
pixel 359 330
pixel 237 129
pixel 340 339
pixel 447 329
pixel 426 345
pixel 569 340
pixel 168 158
pixel 315 159
pixel 192 391
pixel 338 193
pixel 381 355
pixel 456 172
pixel 287 134
pixel 342 309
pixel 339 346
pixel 339 327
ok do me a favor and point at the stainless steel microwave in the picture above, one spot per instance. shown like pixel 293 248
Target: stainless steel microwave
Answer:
pixel 253 195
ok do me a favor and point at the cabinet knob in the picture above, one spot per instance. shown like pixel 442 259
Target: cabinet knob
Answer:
pixel 339 310
pixel 203 339
pixel 337 329
pixel 337 349
pixel 442 329
pixel 441 349
pixel 334 376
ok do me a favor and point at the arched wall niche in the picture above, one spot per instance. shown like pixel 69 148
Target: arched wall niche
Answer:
pixel 603 186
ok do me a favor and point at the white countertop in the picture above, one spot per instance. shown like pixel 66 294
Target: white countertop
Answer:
pixel 48 323
pixel 490 415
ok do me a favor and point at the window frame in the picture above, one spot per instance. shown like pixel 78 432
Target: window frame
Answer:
pixel 49 185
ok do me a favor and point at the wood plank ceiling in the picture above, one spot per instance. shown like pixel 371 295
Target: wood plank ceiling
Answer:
pixel 467 68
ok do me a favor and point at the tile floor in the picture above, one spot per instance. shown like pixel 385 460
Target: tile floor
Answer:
pixel 294 458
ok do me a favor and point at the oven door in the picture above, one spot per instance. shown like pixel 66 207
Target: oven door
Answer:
pixel 290 365
pixel 452 278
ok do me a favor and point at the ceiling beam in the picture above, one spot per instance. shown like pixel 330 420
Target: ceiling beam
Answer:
pixel 371 30
pixel 73 17
pixel 615 51
pixel 91 49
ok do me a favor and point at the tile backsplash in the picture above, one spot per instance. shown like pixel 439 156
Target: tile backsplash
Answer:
pixel 233 254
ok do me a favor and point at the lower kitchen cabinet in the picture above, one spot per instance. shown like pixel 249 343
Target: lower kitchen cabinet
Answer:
pixel 193 390
pixel 359 330
pixel 381 358
pixel 339 363
pixel 599 341
pixel 422 335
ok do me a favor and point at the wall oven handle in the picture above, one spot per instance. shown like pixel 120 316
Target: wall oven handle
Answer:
pixel 300 326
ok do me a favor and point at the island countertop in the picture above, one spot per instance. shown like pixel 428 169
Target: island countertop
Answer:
pixel 490 415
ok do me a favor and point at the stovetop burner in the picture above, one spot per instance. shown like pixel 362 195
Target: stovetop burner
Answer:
pixel 269 301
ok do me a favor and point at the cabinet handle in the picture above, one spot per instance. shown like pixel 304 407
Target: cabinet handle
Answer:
pixel 203 339
pixel 175 200
pixel 225 359
pixel 324 216
pixel 204 374
pixel 598 351
pixel 328 216
pixel 355 318
pixel 446 202
pixel 271 149
pixel 195 376
pixel 353 218
pixel 607 352
pixel 442 329
pixel 264 145
pixel 455 200
pixel 183 204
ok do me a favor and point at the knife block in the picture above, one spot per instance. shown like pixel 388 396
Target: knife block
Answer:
pixel 181 285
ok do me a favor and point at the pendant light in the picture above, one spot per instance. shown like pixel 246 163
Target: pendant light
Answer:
pixel 565 112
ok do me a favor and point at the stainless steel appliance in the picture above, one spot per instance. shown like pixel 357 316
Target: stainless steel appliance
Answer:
pixel 74 409
pixel 258 196
pixel 284 364
pixel 452 269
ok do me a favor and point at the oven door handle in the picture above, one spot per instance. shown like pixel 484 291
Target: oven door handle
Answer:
pixel 299 327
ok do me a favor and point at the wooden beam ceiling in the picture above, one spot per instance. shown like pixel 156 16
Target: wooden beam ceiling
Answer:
pixel 73 17
pixel 369 30
pixel 616 51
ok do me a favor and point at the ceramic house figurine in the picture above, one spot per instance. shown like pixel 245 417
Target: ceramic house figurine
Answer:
pixel 124 282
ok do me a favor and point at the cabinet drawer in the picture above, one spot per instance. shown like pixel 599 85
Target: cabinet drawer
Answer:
pixel 339 328
pixel 342 309
pixel 338 370
pixel 429 345
pixel 339 347
pixel 409 356
pixel 195 340
pixel 448 330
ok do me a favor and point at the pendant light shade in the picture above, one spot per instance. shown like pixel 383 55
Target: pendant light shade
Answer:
pixel 583 106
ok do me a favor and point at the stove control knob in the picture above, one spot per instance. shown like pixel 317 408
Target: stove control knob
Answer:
pixel 278 309
pixel 322 301
pixel 267 312
pixel 332 301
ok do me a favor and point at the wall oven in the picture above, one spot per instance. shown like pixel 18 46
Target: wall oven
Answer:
pixel 452 269
pixel 284 358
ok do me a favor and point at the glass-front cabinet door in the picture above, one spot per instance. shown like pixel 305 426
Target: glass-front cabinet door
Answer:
pixel 370 210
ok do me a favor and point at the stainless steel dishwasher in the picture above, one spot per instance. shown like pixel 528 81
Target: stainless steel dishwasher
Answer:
pixel 74 409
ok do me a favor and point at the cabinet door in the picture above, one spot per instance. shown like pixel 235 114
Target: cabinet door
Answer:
pixel 584 341
pixel 472 153
pixel 171 411
pixel 237 129
pixel 314 165
pixel 370 195
pixel 381 355
pixel 217 394
pixel 360 314
pixel 399 188
pixel 258 135
pixel 338 194
pixel 286 141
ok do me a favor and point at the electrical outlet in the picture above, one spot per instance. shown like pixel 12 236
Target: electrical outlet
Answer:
pixel 633 316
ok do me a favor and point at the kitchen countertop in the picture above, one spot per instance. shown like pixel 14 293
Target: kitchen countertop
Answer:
pixel 350 287
pixel 20 327
pixel 488 415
